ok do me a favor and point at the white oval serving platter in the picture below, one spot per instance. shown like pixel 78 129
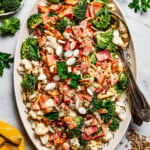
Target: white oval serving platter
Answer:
pixel 22 109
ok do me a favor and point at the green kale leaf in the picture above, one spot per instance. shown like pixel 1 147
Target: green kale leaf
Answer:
pixel 5 60
pixel 52 115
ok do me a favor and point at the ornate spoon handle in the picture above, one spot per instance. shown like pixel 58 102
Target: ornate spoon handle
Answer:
pixel 140 107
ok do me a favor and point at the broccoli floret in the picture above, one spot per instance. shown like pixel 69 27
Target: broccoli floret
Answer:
pixel 76 132
pixel 2 11
pixel 79 11
pixel 102 20
pixel 29 82
pixel 117 89
pixel 62 25
pixel 115 124
pixel 34 20
pixel 54 1
pixel 95 103
pixel 10 26
pixel 103 38
pixel 10 5
pixel 30 49
pixel 110 107
pixel 123 81
pixel 93 57
pixel 111 47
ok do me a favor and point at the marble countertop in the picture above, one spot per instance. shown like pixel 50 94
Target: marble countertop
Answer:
pixel 139 25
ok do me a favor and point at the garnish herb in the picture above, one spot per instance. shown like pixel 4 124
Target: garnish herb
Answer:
pixel 95 103
pixel 5 60
pixel 64 74
pixel 52 115
pixel 29 82
pixel 30 49
pixel 115 124
pixel 79 11
pixel 140 5
pixel 62 25
pixel 110 107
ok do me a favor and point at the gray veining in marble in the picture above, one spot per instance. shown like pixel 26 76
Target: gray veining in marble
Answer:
pixel 139 25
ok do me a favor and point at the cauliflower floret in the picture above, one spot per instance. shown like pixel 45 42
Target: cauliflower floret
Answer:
pixel 92 145
pixel 41 129
pixel 74 142
pixel 44 139
pixel 27 64
pixel 108 136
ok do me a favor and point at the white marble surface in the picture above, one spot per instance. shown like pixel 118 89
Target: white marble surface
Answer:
pixel 139 25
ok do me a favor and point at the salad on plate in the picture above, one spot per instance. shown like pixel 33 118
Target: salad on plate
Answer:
pixel 72 75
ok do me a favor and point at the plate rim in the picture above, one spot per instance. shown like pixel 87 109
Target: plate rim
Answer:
pixel 23 120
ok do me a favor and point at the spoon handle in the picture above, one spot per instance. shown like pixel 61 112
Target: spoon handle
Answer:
pixel 140 108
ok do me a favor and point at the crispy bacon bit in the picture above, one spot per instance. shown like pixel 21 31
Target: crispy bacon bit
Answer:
pixel 104 55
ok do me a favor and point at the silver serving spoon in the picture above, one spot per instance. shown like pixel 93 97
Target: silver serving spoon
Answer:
pixel 13 12
pixel 140 108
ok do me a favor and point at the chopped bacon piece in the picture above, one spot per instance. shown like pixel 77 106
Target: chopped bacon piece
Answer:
pixel 96 7
pixel 90 130
pixel 42 41
pixel 50 60
pixel 59 141
pixel 98 135
pixel 85 137
pixel 55 136
pixel 77 31
pixel 66 11
pixel 115 78
pixel 55 7
pixel 71 2
pixel 83 24
pixel 43 9
pixel 70 123
pixel 100 77
pixel 115 65
pixel 87 50
pixel 67 46
pixel 45 18
pixel 87 97
pixel 88 12
pixel 35 106
pixel 104 55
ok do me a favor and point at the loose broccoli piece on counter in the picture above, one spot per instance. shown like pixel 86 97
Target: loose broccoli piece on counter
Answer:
pixel 10 26
pixel 115 124
pixel 103 38
pixel 10 5
pixel 30 49
pixel 76 132
pixel 79 11
pixel 62 25
pixel 102 21
pixel 54 1
pixel 123 81
pixel 110 107
pixel 29 82
pixel 34 20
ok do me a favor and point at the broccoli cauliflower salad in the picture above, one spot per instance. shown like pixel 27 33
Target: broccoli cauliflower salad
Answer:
pixel 72 75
